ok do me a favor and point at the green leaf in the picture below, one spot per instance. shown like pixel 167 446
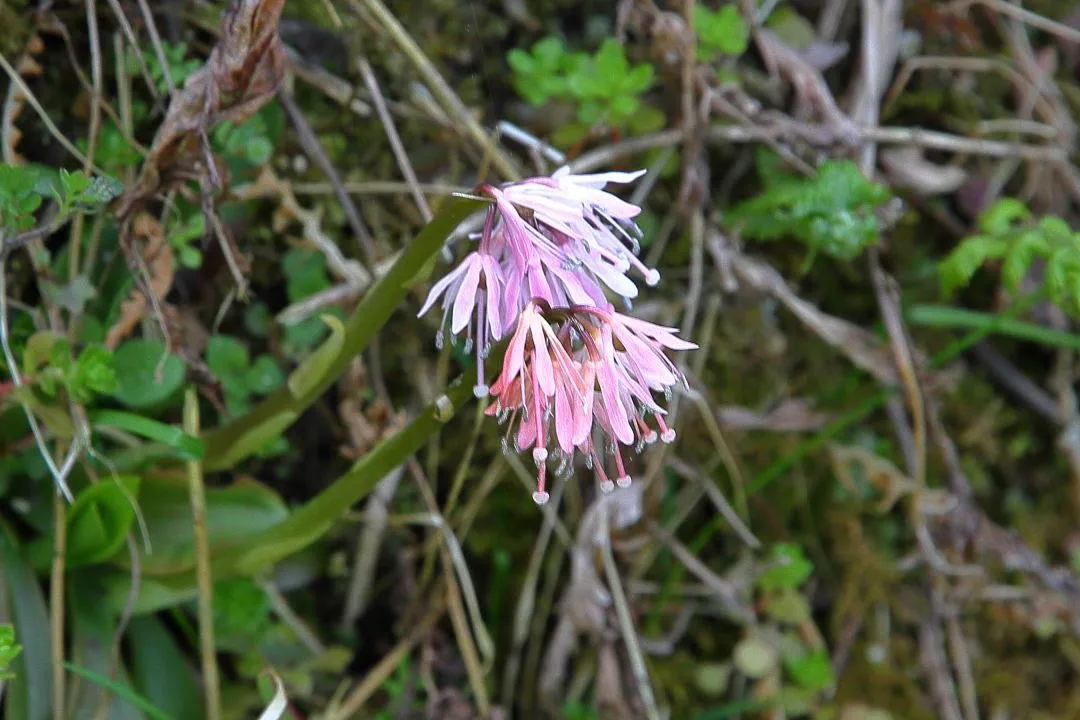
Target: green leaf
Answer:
pixel 159 670
pixel 185 446
pixel 37 351
pixel 9 650
pixel 56 418
pixel 241 612
pixel 831 212
pixel 539 75
pixel 227 357
pixel 29 694
pixel 100 519
pixel 789 568
pixel 611 60
pixel 520 61
pixel 93 374
pixel 1000 217
pixel 813 671
pixel 639 79
pixel 712 678
pixel 648 119
pixel 234 514
pixel 305 273
pixel 20 197
pixel 722 32
pixel 136 363
pixel 264 376
pixel 118 689
pixel 623 107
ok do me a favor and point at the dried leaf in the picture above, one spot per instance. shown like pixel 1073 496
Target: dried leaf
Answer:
pixel 157 254
pixel 16 100
pixel 242 73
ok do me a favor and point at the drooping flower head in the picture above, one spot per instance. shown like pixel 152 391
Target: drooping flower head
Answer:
pixel 575 373
pixel 577 377
pixel 561 239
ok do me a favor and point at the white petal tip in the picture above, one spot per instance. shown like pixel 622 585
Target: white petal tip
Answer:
pixel 623 482
pixel 540 497
pixel 668 436
pixel 606 486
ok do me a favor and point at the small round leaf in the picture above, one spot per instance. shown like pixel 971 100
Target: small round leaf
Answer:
pixel 136 363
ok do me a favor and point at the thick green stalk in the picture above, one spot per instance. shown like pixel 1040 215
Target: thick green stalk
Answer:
pixel 231 443
pixel 307 523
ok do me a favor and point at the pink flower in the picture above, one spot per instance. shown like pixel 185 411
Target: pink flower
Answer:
pixel 595 224
pixel 577 377
pixel 471 295
pixel 606 384
pixel 540 383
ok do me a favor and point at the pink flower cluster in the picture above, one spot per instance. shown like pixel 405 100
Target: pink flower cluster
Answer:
pixel 575 372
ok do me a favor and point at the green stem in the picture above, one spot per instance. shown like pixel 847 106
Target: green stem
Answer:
pixel 283 407
pixel 950 317
pixel 207 647
pixel 306 524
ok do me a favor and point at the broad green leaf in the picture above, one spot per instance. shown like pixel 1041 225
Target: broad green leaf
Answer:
pixel 228 358
pixel 234 514
pixel 136 363
pixel 95 683
pixel 100 519
pixel 241 612
pixel 29 694
pixel 159 670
